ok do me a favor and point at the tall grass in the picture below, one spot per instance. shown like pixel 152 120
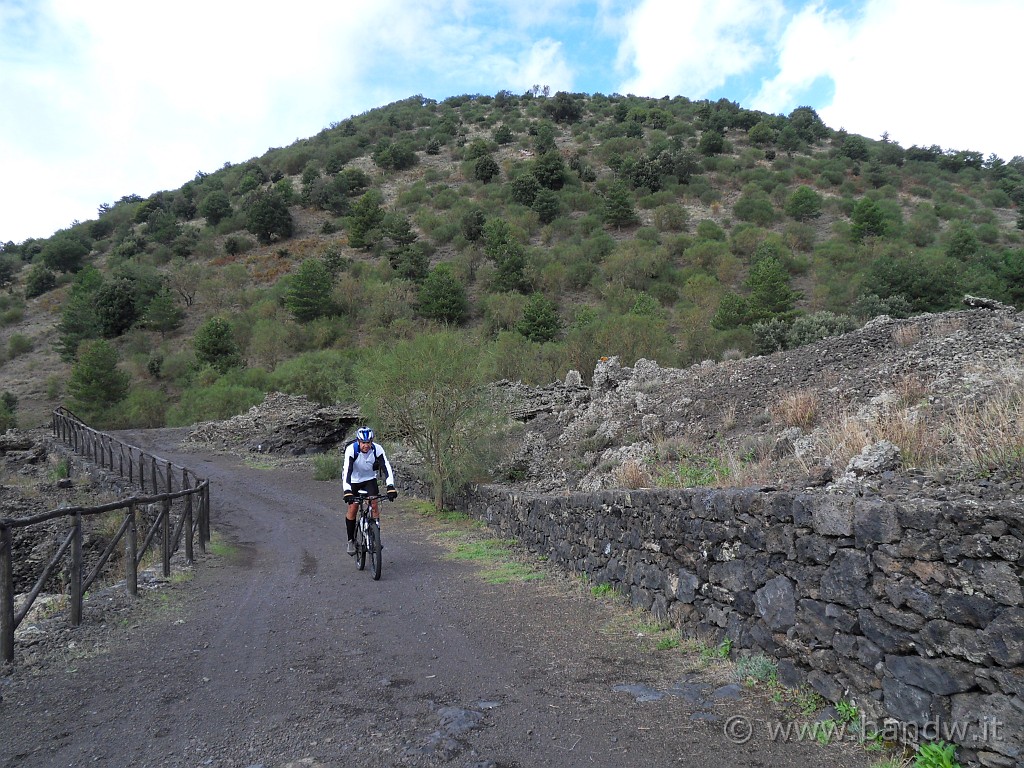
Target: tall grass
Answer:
pixel 990 434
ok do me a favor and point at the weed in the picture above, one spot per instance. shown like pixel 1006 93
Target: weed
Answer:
pixel 808 701
pixel 755 669
pixel 906 334
pixel 451 516
pixel 695 471
pixel 799 409
pixel 720 651
pixel 805 700
pixel 847 711
pixel 874 741
pixel 253 463
pixel 912 390
pixel 421 506
pixel 668 643
pixel 936 754
pixel 992 433
pixel 729 417
pixel 631 474
pixel 602 590
pixel 486 549
pixel 504 573
pixel 60 470
pixel 220 548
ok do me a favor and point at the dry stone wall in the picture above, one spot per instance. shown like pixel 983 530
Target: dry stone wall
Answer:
pixel 910 606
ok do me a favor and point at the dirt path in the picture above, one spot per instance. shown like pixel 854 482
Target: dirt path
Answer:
pixel 284 654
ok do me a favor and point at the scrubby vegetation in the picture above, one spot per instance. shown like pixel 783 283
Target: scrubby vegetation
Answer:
pixel 546 231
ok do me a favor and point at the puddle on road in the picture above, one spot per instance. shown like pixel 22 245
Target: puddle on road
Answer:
pixel 698 695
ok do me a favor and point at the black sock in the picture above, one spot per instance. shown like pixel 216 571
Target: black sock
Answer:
pixel 350 526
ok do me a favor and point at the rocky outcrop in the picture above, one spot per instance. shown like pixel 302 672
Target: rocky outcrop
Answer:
pixel 733 407
pixel 282 424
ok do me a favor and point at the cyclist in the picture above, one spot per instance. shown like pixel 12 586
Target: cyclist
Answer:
pixel 363 460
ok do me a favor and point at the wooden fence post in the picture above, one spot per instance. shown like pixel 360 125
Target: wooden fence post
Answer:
pixel 76 573
pixel 187 527
pixel 6 596
pixel 206 513
pixel 142 471
pixel 165 535
pixel 131 576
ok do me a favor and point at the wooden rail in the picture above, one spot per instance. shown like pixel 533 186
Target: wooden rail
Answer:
pixel 158 475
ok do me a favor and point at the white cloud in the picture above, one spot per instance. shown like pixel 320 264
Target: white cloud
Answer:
pixel 107 99
pixel 937 74
pixel 542 64
pixel 694 46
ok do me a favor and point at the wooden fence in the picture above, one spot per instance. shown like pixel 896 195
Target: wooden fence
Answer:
pixel 155 476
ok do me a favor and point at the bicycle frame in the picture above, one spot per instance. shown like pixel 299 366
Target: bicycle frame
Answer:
pixel 368 534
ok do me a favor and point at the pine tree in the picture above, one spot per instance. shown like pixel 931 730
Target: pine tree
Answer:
pixel 96 383
pixel 770 292
pixel 618 207
pixel 309 293
pixel 540 321
pixel 163 313
pixel 442 297
pixel 215 345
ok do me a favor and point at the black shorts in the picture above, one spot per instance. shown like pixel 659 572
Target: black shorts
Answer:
pixel 370 486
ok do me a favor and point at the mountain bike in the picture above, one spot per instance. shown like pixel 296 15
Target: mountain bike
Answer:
pixel 368 535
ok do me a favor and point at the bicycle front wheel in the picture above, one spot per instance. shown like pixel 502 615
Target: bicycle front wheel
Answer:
pixel 373 545
pixel 360 550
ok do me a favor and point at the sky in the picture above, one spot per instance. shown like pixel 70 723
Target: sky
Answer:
pixel 109 98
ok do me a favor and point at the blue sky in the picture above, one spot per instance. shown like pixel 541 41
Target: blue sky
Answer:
pixel 116 97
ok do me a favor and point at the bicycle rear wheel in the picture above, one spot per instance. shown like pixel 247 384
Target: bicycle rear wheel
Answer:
pixel 373 545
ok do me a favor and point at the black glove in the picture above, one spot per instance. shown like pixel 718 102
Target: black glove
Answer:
pixel 392 493
pixel 349 497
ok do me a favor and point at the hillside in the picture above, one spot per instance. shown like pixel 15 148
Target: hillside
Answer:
pixel 553 230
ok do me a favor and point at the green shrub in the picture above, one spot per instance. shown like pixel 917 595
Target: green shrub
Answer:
pixel 39 280
pixel 810 328
pixel 18 344
pixel 8 409
pixel 143 408
pixel 754 207
pixel 324 376
pixel 219 400
pixel 671 218
pixel 709 230
pixel 327 466
pixel 770 336
pixel 803 204
pixel 237 244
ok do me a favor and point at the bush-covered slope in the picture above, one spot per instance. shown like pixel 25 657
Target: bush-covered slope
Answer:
pixel 553 230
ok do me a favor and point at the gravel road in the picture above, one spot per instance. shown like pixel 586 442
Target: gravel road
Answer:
pixel 280 653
